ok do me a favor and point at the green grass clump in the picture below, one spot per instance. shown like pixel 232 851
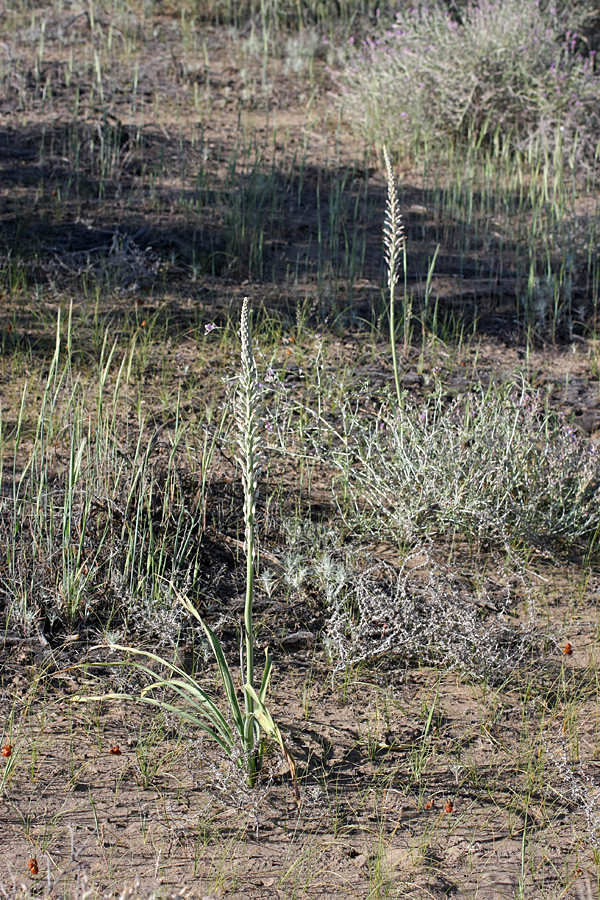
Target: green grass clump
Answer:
pixel 99 504
pixel 288 14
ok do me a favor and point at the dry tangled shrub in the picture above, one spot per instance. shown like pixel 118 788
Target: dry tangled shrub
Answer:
pixel 423 612
pixel 575 784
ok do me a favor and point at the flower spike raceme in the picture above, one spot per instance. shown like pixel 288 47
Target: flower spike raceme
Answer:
pixel 248 407
pixel 394 243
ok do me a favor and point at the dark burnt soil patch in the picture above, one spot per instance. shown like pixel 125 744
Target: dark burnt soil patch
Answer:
pixel 176 220
pixel 199 180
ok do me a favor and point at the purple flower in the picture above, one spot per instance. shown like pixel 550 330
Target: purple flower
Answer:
pixel 210 327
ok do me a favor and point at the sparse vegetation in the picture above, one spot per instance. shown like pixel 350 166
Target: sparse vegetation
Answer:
pixel 394 494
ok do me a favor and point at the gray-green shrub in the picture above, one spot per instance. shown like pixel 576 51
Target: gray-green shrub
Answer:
pixel 513 66
pixel 495 466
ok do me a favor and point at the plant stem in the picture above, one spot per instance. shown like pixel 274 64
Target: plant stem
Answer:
pixel 393 338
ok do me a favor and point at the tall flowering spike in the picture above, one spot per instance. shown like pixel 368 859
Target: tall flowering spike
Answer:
pixel 395 257
pixel 248 364
pixel 393 229
pixel 248 416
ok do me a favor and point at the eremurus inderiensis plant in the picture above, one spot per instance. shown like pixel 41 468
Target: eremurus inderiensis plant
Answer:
pixel 241 729
pixel 394 242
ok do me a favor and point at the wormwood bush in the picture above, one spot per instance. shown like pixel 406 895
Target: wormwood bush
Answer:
pixel 492 465
pixel 509 66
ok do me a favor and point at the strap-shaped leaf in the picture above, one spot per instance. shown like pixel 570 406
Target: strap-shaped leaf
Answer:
pixel 266 678
pixel 184 685
pixel 227 746
pixel 265 720
pixel 224 671
pixel 195 698
pixel 228 685
pixel 207 704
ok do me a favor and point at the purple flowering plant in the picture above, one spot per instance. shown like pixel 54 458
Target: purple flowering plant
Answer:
pixel 510 65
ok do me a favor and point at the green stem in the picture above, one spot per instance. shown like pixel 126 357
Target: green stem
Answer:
pixel 407 308
pixel 393 339
pixel 250 443
pixel 248 626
